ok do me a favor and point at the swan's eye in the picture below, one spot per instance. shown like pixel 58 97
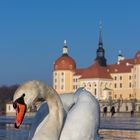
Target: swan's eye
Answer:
pixel 15 105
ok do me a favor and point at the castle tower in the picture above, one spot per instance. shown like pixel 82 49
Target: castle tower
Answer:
pixel 120 57
pixel 64 67
pixel 100 53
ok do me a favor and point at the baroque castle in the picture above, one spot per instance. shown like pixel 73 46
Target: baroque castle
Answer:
pixel 105 81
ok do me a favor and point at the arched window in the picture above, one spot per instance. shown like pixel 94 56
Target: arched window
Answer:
pixel 55 87
pixel 62 80
pixel 126 108
pixel 130 85
pixel 63 62
pixel 62 86
pixel 139 108
pixel 55 80
pixel 95 91
pixel 120 85
pixel 70 66
pixel 9 107
pixel 89 85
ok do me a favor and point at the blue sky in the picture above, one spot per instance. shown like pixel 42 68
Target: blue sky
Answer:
pixel 32 34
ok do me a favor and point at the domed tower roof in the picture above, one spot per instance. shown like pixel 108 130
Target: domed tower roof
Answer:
pixel 137 57
pixel 65 62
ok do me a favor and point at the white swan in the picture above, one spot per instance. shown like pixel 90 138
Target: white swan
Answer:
pixel 82 121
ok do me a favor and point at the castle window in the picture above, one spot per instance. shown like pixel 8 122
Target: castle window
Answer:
pixel 62 80
pixel 75 80
pixel 55 73
pixel 95 91
pixel 130 95
pixel 9 107
pixel 129 77
pixel 139 108
pixel 115 96
pixel 55 87
pixel 70 66
pixel 73 86
pixel 126 108
pixel 89 85
pixel 130 85
pixel 55 80
pixel 120 77
pixel 120 95
pixel 115 85
pixel 63 62
pixel 115 78
pixel 62 73
pixel 62 87
pixel 120 85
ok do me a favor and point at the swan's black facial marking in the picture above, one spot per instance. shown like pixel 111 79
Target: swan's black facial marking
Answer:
pixel 21 108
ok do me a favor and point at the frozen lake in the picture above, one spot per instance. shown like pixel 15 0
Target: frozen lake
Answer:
pixel 117 128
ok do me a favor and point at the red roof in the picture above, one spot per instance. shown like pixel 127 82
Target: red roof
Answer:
pixel 65 62
pixel 94 71
pixel 97 71
pixel 124 66
pixel 80 71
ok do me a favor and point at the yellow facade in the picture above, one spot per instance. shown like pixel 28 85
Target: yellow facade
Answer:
pixel 122 85
pixel 63 81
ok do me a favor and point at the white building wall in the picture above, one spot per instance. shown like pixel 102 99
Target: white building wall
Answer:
pixel 9 108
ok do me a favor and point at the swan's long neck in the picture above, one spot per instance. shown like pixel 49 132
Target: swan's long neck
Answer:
pixel 52 126
pixel 56 113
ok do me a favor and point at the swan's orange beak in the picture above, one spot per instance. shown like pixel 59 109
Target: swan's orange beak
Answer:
pixel 20 112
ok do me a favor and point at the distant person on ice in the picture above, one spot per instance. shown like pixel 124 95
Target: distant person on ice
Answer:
pixel 132 113
pixel 105 111
pixel 112 111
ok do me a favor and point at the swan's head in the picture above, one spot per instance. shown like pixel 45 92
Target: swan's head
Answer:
pixel 23 98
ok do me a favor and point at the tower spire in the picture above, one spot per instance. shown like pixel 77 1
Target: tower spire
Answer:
pixel 65 48
pixel 100 53
pixel 100 35
pixel 65 42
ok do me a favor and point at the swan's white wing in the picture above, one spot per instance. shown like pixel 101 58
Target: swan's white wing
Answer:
pixel 67 100
pixel 82 121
